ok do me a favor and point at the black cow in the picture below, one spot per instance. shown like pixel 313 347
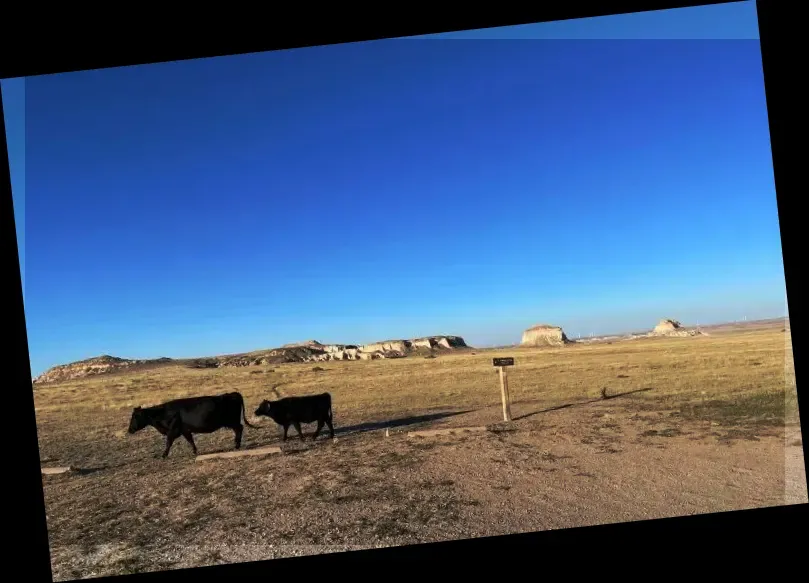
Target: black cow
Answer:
pixel 296 410
pixel 193 415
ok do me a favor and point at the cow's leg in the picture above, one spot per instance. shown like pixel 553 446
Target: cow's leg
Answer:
pixel 190 439
pixel 298 429
pixel 317 431
pixel 331 427
pixel 170 437
pixel 286 429
pixel 238 430
pixel 174 431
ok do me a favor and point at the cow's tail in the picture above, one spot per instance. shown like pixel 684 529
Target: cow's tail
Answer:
pixel 330 417
pixel 244 413
pixel 274 390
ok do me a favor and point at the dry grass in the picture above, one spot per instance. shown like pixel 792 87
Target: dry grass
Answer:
pixel 689 410
pixel 680 370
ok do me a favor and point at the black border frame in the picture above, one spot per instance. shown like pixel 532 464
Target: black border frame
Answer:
pixel 672 544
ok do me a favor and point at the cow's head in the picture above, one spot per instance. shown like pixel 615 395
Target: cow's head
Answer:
pixel 265 408
pixel 138 421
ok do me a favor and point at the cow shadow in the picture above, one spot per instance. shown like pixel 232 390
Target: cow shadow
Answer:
pixel 293 443
pixel 93 470
pixel 85 471
pixel 581 403
pixel 394 423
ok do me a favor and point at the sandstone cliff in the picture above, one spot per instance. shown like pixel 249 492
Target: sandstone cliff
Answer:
pixel 314 351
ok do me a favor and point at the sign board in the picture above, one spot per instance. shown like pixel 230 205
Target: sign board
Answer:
pixel 501 364
pixel 507 361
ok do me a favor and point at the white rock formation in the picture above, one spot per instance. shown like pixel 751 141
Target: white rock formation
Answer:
pixel 544 335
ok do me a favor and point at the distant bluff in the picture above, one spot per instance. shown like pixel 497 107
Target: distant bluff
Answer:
pixel 314 351
pixel 308 351
pixel 103 364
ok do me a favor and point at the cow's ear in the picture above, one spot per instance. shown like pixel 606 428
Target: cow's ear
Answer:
pixel 138 408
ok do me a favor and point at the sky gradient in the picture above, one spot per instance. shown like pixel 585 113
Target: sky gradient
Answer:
pixel 397 189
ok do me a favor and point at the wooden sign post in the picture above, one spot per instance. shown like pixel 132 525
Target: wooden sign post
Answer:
pixel 502 363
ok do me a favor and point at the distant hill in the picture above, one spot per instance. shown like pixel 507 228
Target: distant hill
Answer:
pixel 97 365
pixel 308 351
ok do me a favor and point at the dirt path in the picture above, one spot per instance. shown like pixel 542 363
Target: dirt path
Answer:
pixel 598 463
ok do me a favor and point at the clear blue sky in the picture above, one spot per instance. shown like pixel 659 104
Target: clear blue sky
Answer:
pixel 396 189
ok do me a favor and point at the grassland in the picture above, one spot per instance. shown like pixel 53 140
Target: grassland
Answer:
pixel 692 425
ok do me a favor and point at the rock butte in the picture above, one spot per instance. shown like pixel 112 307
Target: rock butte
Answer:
pixel 544 335
pixel 669 327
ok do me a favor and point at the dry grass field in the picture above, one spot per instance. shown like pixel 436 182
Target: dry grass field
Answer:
pixel 692 425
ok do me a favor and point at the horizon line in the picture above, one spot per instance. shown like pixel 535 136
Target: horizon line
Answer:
pixel 480 346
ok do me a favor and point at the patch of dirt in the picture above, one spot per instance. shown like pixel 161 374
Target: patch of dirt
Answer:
pixel 366 491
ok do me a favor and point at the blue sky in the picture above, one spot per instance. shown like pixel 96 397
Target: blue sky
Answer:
pixel 396 189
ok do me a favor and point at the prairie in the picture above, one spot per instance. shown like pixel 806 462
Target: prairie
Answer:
pixel 690 425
